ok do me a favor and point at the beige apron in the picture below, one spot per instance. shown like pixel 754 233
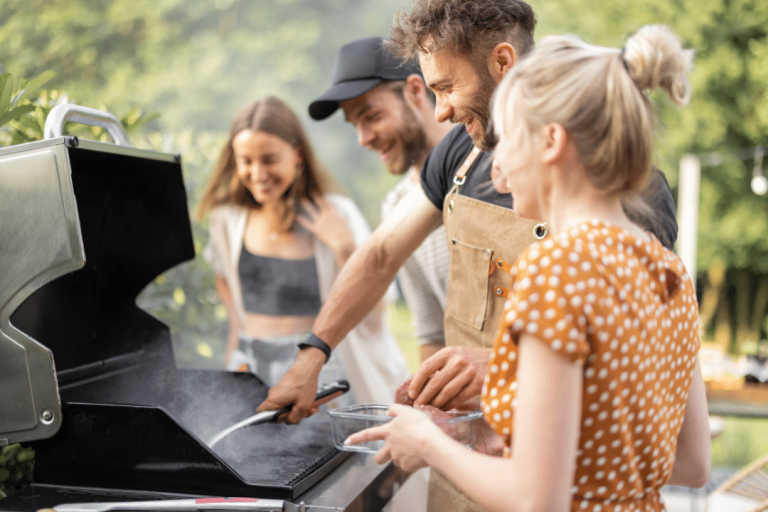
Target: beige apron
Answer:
pixel 484 240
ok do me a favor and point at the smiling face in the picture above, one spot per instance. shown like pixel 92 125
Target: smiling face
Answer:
pixel 388 125
pixel 463 92
pixel 266 164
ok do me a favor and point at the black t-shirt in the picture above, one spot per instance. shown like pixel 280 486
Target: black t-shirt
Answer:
pixel 446 158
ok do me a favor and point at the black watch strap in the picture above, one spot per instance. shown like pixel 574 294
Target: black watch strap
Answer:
pixel 311 340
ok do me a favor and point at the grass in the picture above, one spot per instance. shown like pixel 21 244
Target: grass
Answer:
pixel 742 441
pixel 402 329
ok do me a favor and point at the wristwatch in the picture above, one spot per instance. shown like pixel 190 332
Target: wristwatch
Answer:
pixel 311 340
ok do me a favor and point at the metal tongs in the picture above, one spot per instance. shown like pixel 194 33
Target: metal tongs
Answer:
pixel 191 505
pixel 324 394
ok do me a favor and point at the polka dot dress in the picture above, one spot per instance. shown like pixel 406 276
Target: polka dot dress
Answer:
pixel 625 309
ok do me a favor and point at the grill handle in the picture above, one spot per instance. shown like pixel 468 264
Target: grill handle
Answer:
pixel 324 394
pixel 190 505
pixel 60 114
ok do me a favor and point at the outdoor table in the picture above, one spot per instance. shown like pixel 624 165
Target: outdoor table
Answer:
pixel 749 400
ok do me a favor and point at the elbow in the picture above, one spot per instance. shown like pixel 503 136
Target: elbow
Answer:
pixel 692 472
pixel 379 261
pixel 700 475
pixel 701 466
pixel 543 506
pixel 543 502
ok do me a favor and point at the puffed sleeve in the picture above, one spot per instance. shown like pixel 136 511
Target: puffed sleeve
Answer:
pixel 546 298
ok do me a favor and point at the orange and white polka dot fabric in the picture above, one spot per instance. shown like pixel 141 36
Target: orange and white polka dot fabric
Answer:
pixel 626 310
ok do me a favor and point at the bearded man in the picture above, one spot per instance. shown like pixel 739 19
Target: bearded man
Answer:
pixel 393 112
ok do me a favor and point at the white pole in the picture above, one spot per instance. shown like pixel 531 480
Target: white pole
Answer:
pixel 688 212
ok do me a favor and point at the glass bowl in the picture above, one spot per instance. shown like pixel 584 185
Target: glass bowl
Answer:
pixel 460 425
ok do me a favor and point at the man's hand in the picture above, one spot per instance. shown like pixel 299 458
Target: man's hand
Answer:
pixel 298 387
pixel 450 378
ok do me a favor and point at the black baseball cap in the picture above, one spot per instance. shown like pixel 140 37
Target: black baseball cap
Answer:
pixel 360 66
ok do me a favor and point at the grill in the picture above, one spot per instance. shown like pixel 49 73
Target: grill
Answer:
pixel 91 378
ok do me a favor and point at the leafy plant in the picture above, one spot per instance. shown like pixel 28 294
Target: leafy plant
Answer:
pixel 15 468
pixel 17 97
pixel 24 107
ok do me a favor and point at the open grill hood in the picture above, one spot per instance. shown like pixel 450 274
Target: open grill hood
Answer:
pixel 85 226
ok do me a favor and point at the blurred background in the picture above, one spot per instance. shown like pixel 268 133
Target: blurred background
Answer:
pixel 175 72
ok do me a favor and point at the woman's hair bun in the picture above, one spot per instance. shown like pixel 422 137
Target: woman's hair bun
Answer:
pixel 656 59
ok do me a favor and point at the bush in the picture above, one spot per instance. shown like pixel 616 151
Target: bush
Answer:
pixel 16 465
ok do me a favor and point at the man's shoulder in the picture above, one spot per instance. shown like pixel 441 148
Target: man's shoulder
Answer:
pixel 400 190
pixel 456 143
pixel 443 162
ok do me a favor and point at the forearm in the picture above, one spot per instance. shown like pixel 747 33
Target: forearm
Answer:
pixel 427 350
pixel 360 285
pixel 358 288
pixel 693 457
pixel 494 483
pixel 364 279
pixel 539 475
pixel 233 341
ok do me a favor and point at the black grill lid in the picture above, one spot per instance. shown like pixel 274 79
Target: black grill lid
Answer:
pixel 134 225
pixel 84 227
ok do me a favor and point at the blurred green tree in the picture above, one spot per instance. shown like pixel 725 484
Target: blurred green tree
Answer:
pixel 197 61
pixel 17 97
pixel 728 113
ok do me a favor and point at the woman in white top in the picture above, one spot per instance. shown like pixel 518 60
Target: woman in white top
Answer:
pixel 277 241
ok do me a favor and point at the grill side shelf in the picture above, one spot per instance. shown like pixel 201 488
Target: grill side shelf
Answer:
pixel 118 446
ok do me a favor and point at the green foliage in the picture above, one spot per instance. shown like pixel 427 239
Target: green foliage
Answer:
pixel 743 440
pixel 197 61
pixel 16 465
pixel 24 109
pixel 185 297
pixel 17 97
pixel 728 110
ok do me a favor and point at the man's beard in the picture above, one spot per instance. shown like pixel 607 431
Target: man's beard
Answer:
pixel 413 141
pixel 480 110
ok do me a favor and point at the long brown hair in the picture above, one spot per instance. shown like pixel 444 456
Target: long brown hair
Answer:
pixel 270 115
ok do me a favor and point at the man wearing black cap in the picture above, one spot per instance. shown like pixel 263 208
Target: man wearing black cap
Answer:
pixel 385 99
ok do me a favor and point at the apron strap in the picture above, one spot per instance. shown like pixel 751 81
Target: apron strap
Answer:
pixel 461 174
pixel 501 265
pixel 500 291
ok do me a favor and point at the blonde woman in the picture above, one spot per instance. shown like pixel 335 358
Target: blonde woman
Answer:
pixel 594 381
pixel 278 238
